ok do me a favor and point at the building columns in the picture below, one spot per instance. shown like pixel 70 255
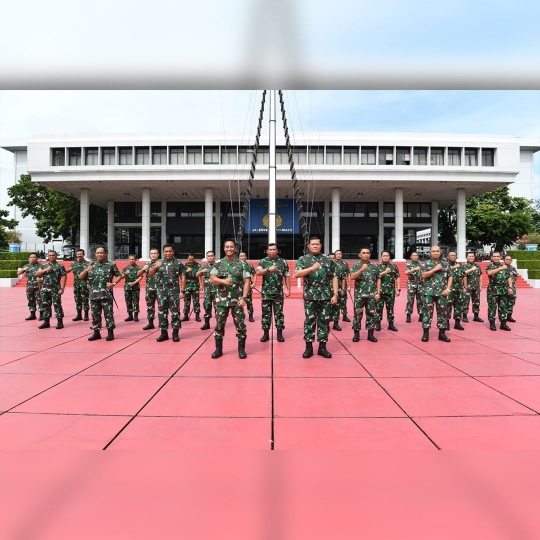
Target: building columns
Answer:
pixel 145 244
pixel 336 219
pixel 461 227
pixel 326 245
pixel 208 219
pixel 434 223
pixel 380 243
pixel 84 227
pixel 110 229
pixel 398 233
pixel 217 232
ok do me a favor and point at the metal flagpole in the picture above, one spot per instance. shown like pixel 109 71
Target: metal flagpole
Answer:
pixel 272 171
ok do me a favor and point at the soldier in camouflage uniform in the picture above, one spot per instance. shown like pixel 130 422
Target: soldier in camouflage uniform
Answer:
pixel 499 291
pixel 320 295
pixel 273 269
pixel 474 288
pixel 342 272
pixel 132 289
pixel 171 285
pixel 80 286
pixel 151 288
pixel 512 298
pixel 193 287
pixel 456 298
pixel 231 280
pixel 437 286
pixel 33 294
pixel 390 287
pixel 252 282
pixel 415 286
pixel 101 278
pixel 367 290
pixel 54 278
pixel 204 272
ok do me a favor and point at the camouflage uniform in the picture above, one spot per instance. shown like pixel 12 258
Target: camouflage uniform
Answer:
pixel 342 271
pixel 388 292
pixel 226 297
pixel 365 289
pixel 80 286
pixel 249 297
pixel 473 288
pixel 497 293
pixel 32 287
pixel 415 288
pixel 101 298
pixel 433 289
pixel 151 292
pixel 317 295
pixel 131 294
pixel 512 299
pixel 272 292
pixel 49 290
pixel 168 297
pixel 192 288
pixel 208 291
pixel 456 298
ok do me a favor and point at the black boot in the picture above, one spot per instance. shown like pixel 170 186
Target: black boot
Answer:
pixel 136 317
pixel 164 336
pixel 443 337
pixel 265 336
pixel 197 317
pixel 185 318
pixel 31 317
pixel 251 319
pixel 425 337
pixel 110 334
pixel 504 326
pixel 457 325
pixel 86 315
pixel 41 316
pixel 447 327
pixel 130 317
pixel 280 337
pixel 150 325
pixel 322 350
pixel 78 317
pixel 336 326
pixel 308 353
pixel 94 336
pixel 46 324
pixel 219 349
pixel 346 319
pixel 510 319
pixel 477 318
pixel 356 336
pixel 419 318
pixel 492 326
pixel 392 327
pixel 242 349
pixel 465 318
pixel 408 317
pixel 371 336
pixel 206 324
pixel 175 336
pixel 378 326
pixel 59 324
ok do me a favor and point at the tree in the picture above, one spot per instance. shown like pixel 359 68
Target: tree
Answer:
pixel 4 225
pixel 56 215
pixel 447 226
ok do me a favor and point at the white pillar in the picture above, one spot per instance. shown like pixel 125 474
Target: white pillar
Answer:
pixel 272 171
pixel 434 223
pixel 217 241
pixel 336 220
pixel 110 229
pixel 208 219
pixel 398 232
pixel 163 224
pixel 145 245
pixel 381 230
pixel 461 232
pixel 326 247
pixel 85 220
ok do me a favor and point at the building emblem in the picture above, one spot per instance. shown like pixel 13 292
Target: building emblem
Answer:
pixel 279 221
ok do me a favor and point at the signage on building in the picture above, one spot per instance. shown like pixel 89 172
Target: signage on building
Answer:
pixel 287 221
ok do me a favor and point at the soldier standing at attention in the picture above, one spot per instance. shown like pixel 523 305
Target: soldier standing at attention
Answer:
pixel 342 272
pixel 320 295
pixel 252 281
pixel 80 286
pixel 415 285
pixel 367 290
pixel 437 286
pixel 474 288
pixel 32 287
pixel 512 298
pixel 207 286
pixel 193 286
pixel 231 280
pixel 273 269
pixel 132 289
pixel 171 284
pixel 54 281
pixel 456 298
pixel 101 276
pixel 499 291
pixel 390 287
pixel 151 289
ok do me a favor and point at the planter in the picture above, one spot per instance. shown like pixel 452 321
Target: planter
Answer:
pixel 14 248
pixel 528 247
pixel 9 282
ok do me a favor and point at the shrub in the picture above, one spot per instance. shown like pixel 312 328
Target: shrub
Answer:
pixel 524 255
pixel 529 265
pixel 534 274
pixel 8 273
pixel 12 265
pixel 15 255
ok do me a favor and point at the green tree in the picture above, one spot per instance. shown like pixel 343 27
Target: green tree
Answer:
pixel 5 225
pixel 447 226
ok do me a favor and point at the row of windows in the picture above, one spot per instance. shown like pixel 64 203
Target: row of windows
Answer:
pixel 302 155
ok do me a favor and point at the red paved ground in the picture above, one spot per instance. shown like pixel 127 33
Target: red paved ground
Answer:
pixel 59 391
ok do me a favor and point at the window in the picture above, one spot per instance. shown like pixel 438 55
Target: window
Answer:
pixel 74 156
pixel 350 156
pixel 417 210
pixel 389 210
pixel 108 156
pixel 194 155
pixel 245 153
pixel 488 157
pixel 437 156
pixel 420 156
pixel 155 211
pixel 300 155
pixel 91 156
pixel 471 157
pixel 454 156
pixel 333 155
pixel 211 155
pixel 386 155
pixel 176 156
pixel 316 155
pixel 142 155
pixel 126 155
pixel 282 157
pixel 183 209
pixel 159 155
pixel 263 155
pixel 403 155
pixel 368 155
pixel 228 155
pixel 127 212
pixel 58 157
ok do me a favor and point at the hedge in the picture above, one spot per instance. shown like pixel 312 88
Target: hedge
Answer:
pixel 12 265
pixel 522 255
pixel 534 274
pixel 8 273
pixel 15 255
pixel 530 265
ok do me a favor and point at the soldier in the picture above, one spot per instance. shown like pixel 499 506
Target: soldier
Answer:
pixel 101 276
pixel 171 285
pixel 52 288
pixel 252 281
pixel 437 286
pixel 390 287
pixel 273 269
pixel 33 294
pixel 367 290
pixel 193 286
pixel 512 298
pixel 342 272
pixel 132 289
pixel 80 286
pixel 415 286
pixel 499 291
pixel 231 279
pixel 456 298
pixel 474 288
pixel 151 289
pixel 320 294
pixel 208 288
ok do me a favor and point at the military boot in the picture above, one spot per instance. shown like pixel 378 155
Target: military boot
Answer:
pixel 425 337
pixel 457 325
pixel 504 326
pixel 206 325
pixel 136 317
pixel 110 334
pixel 251 319
pixel 45 324
pixel 175 336
pixel 94 336
pixel 392 327
pixel 356 336
pixel 265 336
pixel 59 323
pixel 242 349
pixel 150 325
pixel 476 318
pixel 219 349
pixel 465 318
pixel 419 318
pixel 85 314
pixel 185 318
pixel 163 337
pixel 280 337
pixel 492 326
pixel 378 326
pixel 31 317
pixel 322 350
pixel 41 316
pixel 510 319
pixel 336 326
pixel 308 353
pixel 371 335
pixel 408 317
pixel 78 317
pixel 443 336
pixel 346 319
pixel 197 317
pixel 130 317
